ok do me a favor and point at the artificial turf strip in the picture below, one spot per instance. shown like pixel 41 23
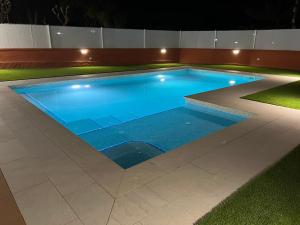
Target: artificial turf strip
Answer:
pixel 271 198
pixel 287 95
pixel 252 69
pixel 32 73
pixel 23 74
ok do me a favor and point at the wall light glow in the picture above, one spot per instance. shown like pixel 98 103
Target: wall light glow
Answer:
pixel 59 33
pixel 84 51
pixel 163 51
pixel 236 42
pixel 236 51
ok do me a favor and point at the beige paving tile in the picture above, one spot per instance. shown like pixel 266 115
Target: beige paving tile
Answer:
pixel 196 204
pixel 182 181
pixel 5 133
pixel 42 204
pixel 83 153
pixel 75 222
pixel 105 172
pixel 136 205
pixel 60 135
pixel 11 150
pixel 181 156
pixel 139 175
pixel 112 221
pixel 2 123
pixel 24 173
pixel 20 123
pixel 92 204
pixel 38 144
pixel 170 214
pixel 67 176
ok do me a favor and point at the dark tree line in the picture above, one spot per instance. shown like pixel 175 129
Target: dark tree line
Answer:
pixel 154 14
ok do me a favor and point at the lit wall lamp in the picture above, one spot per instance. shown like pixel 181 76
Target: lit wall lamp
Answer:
pixel 236 51
pixel 84 51
pixel 163 51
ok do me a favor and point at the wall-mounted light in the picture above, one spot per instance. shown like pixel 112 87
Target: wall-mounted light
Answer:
pixel 216 39
pixel 236 51
pixel 84 51
pixel 163 51
pixel 236 42
pixel 59 33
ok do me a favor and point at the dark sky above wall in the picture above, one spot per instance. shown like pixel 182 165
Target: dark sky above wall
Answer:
pixel 172 15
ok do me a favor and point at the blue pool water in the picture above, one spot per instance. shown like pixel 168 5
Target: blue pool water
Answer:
pixel 133 118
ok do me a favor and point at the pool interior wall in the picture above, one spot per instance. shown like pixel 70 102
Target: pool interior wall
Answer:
pixel 133 118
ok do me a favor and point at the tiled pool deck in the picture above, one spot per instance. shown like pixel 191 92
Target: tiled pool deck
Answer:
pixel 56 179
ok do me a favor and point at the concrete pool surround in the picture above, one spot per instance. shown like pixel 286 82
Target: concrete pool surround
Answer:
pixel 57 179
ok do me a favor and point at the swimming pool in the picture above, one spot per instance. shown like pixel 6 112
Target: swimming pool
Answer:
pixel 133 118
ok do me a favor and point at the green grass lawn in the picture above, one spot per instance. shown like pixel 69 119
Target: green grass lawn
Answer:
pixel 23 74
pixel 273 198
pixel 32 73
pixel 287 95
pixel 252 69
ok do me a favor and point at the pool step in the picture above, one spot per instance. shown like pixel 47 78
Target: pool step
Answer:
pixel 82 126
pixel 131 153
pixel 107 121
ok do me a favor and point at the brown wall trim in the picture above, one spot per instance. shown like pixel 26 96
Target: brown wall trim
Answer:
pixel 259 58
pixel 23 58
pixel 18 58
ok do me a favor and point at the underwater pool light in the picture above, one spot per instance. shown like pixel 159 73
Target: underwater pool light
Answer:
pixel 232 82
pixel 76 86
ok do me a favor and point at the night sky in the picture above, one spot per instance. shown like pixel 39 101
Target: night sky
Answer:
pixel 170 15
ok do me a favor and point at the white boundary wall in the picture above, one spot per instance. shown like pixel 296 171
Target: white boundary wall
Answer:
pixel 43 36
pixel 123 38
pixel 235 39
pixel 24 36
pixel 197 39
pixel 161 39
pixel 75 37
pixel 278 40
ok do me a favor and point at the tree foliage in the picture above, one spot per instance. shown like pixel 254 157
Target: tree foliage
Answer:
pixel 62 13
pixel 5 8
